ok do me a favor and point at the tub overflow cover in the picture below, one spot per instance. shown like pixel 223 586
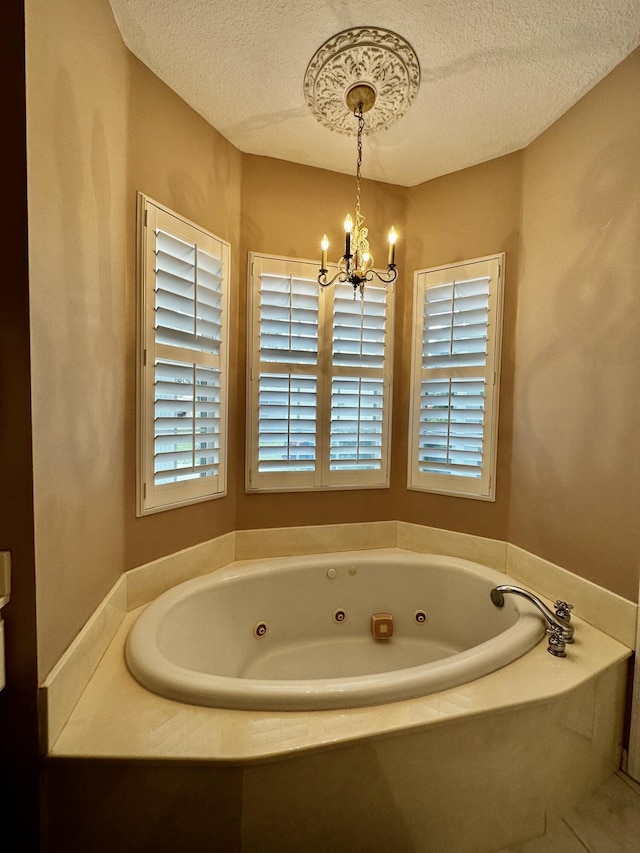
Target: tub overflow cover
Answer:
pixel 382 626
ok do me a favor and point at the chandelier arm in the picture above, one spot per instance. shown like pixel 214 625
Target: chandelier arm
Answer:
pixel 391 275
pixel 339 276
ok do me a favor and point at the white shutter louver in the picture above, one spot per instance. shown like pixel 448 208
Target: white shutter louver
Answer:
pixel 455 324
pixel 356 423
pixel 288 320
pixel 287 417
pixel 451 426
pixel 359 327
pixel 187 422
pixel 188 295
pixel 455 362
pixel 182 418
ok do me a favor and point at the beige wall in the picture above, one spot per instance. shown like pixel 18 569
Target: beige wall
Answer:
pixel 470 214
pixel 575 488
pixel 100 127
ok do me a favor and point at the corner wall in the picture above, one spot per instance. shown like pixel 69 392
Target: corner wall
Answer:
pixel 575 481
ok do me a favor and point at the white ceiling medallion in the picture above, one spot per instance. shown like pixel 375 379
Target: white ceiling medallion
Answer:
pixel 371 56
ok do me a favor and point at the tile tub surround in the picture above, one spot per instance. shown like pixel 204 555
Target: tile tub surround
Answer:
pixel 321 539
pixel 482 783
pixel 609 612
pixel 433 540
pixel 117 717
pixel 69 677
pixel 148 581
pixel 65 684
pixel 151 579
pixel 427 773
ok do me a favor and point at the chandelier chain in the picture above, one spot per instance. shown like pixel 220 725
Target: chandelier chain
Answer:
pixel 358 115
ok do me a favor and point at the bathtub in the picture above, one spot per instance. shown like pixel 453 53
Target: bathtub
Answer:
pixel 295 633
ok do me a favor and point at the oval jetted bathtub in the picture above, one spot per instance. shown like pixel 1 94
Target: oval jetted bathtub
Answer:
pixel 296 633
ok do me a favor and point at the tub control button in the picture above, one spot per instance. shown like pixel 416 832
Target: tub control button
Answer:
pixel 331 573
pixel 382 626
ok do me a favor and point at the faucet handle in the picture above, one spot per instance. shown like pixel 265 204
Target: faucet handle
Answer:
pixel 556 641
pixel 563 610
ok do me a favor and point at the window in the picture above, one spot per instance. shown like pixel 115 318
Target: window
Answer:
pixel 182 353
pixel 319 380
pixel 455 375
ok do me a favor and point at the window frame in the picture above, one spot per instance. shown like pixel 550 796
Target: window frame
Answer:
pixel 151 497
pixel 484 487
pixel 321 478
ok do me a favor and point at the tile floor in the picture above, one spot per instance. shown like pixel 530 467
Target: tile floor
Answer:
pixel 607 822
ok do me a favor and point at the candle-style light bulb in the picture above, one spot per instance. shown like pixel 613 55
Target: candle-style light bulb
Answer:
pixel 392 245
pixel 348 227
pixel 324 245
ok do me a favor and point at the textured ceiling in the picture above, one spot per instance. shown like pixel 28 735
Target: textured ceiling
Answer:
pixel 494 73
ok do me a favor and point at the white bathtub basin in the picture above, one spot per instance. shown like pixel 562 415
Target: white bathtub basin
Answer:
pixel 202 641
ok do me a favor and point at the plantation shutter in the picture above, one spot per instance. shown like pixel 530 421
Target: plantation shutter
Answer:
pixel 184 279
pixel 455 371
pixel 319 380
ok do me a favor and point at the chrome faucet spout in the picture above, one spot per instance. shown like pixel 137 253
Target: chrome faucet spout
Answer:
pixel 556 622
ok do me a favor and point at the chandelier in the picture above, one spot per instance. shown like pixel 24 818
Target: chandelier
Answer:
pixel 361 70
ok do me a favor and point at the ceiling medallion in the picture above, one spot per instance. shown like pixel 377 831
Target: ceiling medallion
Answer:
pixel 377 58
